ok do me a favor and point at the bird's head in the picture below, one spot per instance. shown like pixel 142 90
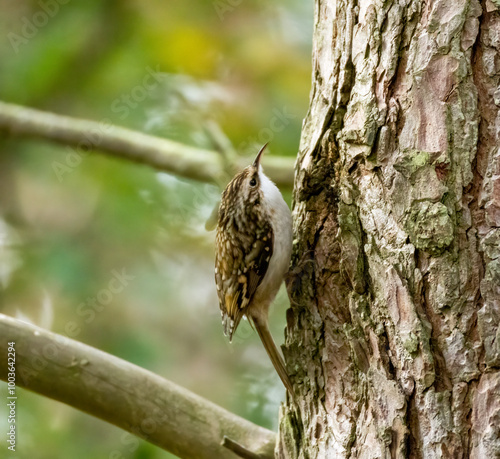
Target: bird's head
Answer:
pixel 245 188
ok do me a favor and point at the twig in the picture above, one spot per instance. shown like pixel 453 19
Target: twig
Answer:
pixel 239 450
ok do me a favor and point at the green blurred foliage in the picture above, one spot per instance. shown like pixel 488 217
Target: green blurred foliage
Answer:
pixel 173 69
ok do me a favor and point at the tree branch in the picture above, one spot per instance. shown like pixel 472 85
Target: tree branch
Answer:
pixel 125 395
pixel 165 155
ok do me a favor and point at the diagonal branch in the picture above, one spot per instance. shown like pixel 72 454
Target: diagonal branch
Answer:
pixel 165 155
pixel 125 395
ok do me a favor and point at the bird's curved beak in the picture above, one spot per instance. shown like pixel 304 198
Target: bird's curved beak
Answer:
pixel 256 163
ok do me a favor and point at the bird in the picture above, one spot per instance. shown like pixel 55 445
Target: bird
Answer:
pixel 253 249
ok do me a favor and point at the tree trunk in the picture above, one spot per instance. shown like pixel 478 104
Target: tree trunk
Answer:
pixel 393 337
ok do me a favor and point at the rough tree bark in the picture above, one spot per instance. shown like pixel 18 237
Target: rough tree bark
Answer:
pixel 393 337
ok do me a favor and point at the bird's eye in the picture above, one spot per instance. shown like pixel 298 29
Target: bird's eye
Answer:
pixel 253 182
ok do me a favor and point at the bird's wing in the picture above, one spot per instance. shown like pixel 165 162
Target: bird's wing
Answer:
pixel 240 265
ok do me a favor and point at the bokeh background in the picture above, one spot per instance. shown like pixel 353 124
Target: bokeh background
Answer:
pixel 223 69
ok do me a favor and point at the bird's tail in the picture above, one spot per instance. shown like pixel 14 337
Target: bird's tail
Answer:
pixel 273 352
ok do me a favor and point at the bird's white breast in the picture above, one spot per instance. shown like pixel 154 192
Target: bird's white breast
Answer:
pixel 281 220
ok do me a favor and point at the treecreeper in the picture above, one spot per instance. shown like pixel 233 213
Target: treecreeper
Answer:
pixel 253 249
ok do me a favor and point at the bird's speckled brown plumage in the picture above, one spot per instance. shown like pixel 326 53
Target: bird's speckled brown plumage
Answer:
pixel 253 249
pixel 245 245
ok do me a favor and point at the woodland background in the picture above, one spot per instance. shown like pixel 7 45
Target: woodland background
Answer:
pixel 237 70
